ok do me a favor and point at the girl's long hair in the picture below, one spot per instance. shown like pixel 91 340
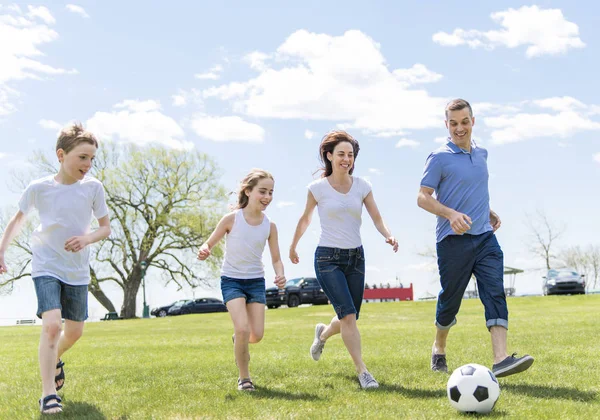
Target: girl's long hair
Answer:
pixel 248 184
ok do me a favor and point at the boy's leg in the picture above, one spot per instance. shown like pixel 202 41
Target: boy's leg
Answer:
pixel 239 315
pixel 48 349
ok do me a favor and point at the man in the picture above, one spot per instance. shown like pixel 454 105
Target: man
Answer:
pixel 466 244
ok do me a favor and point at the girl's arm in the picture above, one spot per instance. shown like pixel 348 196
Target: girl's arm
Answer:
pixel 276 257
pixel 77 243
pixel 303 224
pixel 378 221
pixel 223 227
pixel 12 230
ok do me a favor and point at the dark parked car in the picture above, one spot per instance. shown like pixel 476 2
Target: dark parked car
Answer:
pixel 296 292
pixel 163 311
pixel 563 281
pixel 199 306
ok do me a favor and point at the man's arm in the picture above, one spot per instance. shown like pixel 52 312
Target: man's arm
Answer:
pixel 459 222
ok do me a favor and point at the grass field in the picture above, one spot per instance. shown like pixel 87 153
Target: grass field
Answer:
pixel 183 367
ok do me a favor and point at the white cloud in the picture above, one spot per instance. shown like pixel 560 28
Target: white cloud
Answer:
pixel 282 204
pixel 375 171
pixel 50 125
pixel 42 13
pixel 213 74
pixel 417 74
pixel 20 57
pixel 231 128
pixel 77 10
pixel 309 134
pixel 567 117
pixel 139 122
pixel 3 155
pixel 179 100
pixel 309 83
pixel 407 143
pixel 257 60
pixel 543 31
pixel 596 157
pixel 441 140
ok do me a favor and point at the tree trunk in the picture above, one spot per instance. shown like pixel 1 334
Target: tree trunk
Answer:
pixel 132 287
pixel 95 290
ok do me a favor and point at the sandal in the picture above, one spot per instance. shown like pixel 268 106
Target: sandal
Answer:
pixel 245 385
pixel 60 376
pixel 44 406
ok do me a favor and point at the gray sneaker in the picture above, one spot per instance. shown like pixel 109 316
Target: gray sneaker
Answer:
pixel 438 363
pixel 317 346
pixel 367 381
pixel 512 365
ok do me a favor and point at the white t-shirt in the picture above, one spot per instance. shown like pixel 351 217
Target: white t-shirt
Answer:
pixel 65 211
pixel 244 248
pixel 340 214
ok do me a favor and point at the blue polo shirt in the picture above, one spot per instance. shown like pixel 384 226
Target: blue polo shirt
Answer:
pixel 460 181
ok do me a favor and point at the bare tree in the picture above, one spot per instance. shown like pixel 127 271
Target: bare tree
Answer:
pixel 163 204
pixel 543 235
pixel 584 261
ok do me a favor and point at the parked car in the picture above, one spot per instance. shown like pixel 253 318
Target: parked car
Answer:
pixel 563 281
pixel 199 306
pixel 163 311
pixel 296 292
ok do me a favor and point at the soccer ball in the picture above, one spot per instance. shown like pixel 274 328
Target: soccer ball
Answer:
pixel 473 388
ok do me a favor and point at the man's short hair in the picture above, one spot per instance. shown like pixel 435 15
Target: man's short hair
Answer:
pixel 457 105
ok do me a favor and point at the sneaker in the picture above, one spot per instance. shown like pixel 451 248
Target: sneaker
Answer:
pixel 438 363
pixel 317 346
pixel 367 381
pixel 512 365
pixel 245 385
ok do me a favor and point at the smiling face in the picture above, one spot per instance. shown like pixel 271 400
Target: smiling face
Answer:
pixel 75 164
pixel 460 126
pixel 342 158
pixel 261 195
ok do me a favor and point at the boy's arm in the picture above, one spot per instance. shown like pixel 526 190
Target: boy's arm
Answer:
pixel 223 227
pixel 77 243
pixel 276 257
pixel 12 230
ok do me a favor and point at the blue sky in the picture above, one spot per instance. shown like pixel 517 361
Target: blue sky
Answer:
pixel 257 85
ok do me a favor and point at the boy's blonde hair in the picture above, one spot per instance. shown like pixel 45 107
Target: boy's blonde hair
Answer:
pixel 72 136
pixel 248 183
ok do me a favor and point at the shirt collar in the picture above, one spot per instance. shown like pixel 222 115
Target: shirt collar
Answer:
pixel 455 149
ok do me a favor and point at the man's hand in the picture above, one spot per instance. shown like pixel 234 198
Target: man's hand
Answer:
pixel 495 220
pixel 459 222
pixel 76 243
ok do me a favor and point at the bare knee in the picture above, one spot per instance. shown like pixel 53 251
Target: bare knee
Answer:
pixel 242 333
pixel 74 335
pixel 255 337
pixel 51 330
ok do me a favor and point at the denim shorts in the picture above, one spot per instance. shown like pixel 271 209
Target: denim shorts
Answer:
pixel 253 290
pixel 54 294
pixel 341 274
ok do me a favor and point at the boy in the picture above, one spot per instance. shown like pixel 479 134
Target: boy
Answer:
pixel 60 263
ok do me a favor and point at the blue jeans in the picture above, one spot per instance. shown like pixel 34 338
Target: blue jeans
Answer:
pixel 54 294
pixel 341 274
pixel 459 257
pixel 253 290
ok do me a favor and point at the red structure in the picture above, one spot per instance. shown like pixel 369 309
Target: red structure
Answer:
pixel 393 293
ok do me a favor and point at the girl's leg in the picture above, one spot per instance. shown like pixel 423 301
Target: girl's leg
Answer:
pixel 48 350
pixel 241 327
pixel 256 321
pixel 332 329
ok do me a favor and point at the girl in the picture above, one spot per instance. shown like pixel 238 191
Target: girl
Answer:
pixel 66 203
pixel 242 274
pixel 339 258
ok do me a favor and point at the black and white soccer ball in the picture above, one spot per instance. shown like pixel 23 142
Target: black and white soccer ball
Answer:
pixel 473 388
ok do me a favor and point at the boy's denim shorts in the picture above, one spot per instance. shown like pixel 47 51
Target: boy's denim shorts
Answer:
pixel 54 294
pixel 253 290
pixel 341 274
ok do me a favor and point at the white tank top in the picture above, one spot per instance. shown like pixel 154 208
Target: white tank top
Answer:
pixel 244 248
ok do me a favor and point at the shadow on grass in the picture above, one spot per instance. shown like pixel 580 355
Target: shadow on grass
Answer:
pixel 555 392
pixel 411 392
pixel 493 414
pixel 78 410
pixel 266 393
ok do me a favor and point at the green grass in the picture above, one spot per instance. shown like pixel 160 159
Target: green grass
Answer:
pixel 183 367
